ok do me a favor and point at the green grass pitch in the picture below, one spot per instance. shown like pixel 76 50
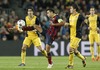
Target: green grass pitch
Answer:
pixel 40 63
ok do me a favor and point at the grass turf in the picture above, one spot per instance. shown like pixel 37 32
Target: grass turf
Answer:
pixel 40 63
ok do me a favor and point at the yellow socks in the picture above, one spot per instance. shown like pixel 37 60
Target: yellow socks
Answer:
pixel 23 55
pixel 79 55
pixel 71 56
pixel 98 50
pixel 44 53
pixel 92 51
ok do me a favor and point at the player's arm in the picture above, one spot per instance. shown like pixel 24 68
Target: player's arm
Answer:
pixel 60 22
pixel 98 24
pixel 80 20
pixel 30 28
pixel 67 22
pixel 86 21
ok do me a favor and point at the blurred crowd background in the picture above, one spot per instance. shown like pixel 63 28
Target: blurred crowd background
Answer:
pixel 13 10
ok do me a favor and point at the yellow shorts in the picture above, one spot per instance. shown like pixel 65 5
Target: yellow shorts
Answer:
pixel 94 38
pixel 30 39
pixel 74 42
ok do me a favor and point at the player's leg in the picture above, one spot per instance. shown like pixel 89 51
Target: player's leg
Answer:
pixel 50 63
pixel 76 44
pixel 76 52
pixel 91 40
pixel 79 55
pixel 97 39
pixel 71 58
pixel 37 43
pixel 71 54
pixel 23 54
pixel 26 44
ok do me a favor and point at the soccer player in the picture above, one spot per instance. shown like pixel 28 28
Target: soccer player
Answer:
pixel 32 36
pixel 55 25
pixel 94 25
pixel 74 22
pixel 51 33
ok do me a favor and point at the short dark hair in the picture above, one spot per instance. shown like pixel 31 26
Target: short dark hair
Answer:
pixel 92 7
pixel 51 10
pixel 30 7
pixel 75 6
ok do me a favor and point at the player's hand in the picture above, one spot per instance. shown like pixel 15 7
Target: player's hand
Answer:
pixel 89 28
pixel 35 26
pixel 86 16
pixel 13 28
pixel 67 25
pixel 51 23
pixel 98 30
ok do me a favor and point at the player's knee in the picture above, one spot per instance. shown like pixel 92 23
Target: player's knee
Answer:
pixel 98 44
pixel 71 51
pixel 47 50
pixel 76 53
pixel 91 45
pixel 24 48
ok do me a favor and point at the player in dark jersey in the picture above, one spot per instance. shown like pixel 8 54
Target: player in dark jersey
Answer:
pixel 55 24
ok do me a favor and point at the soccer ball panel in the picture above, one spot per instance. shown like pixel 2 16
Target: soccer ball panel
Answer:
pixel 20 24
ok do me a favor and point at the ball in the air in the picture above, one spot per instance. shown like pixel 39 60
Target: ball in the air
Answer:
pixel 20 24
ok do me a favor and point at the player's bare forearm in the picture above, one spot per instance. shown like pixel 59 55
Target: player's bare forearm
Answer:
pixel 67 25
pixel 59 24
pixel 38 28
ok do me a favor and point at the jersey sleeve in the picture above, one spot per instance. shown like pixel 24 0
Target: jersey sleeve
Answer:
pixel 37 22
pixel 67 18
pixel 98 21
pixel 58 19
pixel 80 20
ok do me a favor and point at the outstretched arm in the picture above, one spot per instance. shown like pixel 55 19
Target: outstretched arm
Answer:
pixel 60 23
pixel 30 28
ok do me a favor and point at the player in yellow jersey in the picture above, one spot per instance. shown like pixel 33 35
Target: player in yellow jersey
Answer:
pixel 32 36
pixel 94 24
pixel 74 22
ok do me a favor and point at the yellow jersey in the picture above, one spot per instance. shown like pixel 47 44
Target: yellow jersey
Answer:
pixel 93 23
pixel 31 22
pixel 75 22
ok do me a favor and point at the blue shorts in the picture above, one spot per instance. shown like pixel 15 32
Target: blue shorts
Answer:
pixel 49 39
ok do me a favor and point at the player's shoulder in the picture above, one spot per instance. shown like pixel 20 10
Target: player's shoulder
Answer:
pixel 56 17
pixel 33 17
pixel 26 17
pixel 80 14
pixel 95 14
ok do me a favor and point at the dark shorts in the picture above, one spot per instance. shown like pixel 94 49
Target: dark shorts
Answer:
pixel 49 39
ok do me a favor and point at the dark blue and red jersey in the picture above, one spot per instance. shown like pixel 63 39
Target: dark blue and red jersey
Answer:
pixel 53 30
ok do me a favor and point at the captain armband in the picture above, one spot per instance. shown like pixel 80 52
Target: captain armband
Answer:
pixel 60 20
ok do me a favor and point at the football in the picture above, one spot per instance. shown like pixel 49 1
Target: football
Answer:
pixel 20 24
